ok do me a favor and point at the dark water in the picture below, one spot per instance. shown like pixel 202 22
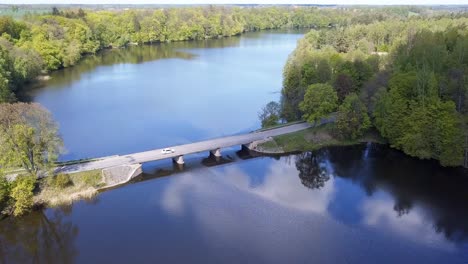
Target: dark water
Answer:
pixel 361 204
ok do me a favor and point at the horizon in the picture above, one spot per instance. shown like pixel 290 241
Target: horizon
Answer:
pixel 239 2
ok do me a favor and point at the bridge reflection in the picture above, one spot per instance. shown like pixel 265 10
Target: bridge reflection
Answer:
pixel 166 168
pixel 395 194
pixel 374 168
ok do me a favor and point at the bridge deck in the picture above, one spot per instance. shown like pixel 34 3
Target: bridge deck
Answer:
pixel 207 145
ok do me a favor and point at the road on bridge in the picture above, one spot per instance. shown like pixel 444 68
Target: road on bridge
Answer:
pixel 180 150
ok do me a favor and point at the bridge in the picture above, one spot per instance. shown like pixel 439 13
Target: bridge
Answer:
pixel 213 146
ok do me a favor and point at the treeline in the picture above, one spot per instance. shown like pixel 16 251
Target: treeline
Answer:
pixel 405 78
pixel 40 43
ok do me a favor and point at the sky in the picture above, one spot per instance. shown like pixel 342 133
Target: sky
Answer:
pixel 321 2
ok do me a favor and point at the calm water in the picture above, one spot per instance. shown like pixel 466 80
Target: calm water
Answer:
pixel 361 204
pixel 141 98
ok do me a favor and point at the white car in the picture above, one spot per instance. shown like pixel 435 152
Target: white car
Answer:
pixel 167 151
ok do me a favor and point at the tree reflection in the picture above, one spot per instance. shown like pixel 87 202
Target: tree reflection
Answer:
pixel 130 55
pixel 402 206
pixel 411 182
pixel 312 172
pixel 38 238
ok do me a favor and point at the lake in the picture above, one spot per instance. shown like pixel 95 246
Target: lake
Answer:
pixel 359 204
pixel 141 98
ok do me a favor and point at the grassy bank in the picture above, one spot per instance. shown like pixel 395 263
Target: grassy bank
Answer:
pixel 64 189
pixel 314 138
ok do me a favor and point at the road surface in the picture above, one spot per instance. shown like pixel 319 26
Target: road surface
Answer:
pixel 181 150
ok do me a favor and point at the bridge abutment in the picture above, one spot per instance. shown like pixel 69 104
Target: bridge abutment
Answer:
pixel 118 175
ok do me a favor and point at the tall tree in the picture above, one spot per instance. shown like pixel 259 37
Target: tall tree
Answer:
pixel 28 137
pixel 352 119
pixel 343 85
pixel 270 114
pixel 320 100
pixel 6 95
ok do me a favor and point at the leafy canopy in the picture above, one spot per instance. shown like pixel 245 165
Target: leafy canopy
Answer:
pixel 320 100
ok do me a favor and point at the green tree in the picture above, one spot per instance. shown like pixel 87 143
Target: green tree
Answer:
pixel 292 93
pixel 4 192
pixel 449 144
pixel 55 11
pixel 6 95
pixel 343 85
pixel 352 119
pixel 28 137
pixel 324 71
pixel 320 100
pixel 22 194
pixel 270 114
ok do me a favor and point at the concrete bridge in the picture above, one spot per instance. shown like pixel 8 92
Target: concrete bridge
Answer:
pixel 213 146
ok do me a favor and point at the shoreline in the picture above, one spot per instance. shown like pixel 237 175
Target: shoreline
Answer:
pixel 82 185
pixel 45 76
pixel 311 139
pixel 50 197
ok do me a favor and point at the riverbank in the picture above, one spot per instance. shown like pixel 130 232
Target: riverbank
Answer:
pixel 64 189
pixel 312 139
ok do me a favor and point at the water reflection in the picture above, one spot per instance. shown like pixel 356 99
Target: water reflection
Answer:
pixel 131 55
pixel 390 215
pixel 147 93
pixel 369 203
pixel 312 169
pixel 414 225
pixel 39 238
pixel 440 193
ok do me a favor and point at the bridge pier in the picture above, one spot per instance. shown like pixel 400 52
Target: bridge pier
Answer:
pixel 215 152
pixel 179 160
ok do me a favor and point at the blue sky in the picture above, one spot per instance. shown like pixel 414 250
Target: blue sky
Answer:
pixel 365 2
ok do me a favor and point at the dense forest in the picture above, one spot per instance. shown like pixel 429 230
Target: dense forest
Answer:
pixel 38 43
pixel 407 78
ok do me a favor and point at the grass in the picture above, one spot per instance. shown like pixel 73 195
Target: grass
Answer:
pixel 269 146
pixel 315 138
pixel 82 185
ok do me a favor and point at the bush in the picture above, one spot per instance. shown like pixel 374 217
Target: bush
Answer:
pixel 22 194
pixel 92 178
pixel 4 192
pixel 61 181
